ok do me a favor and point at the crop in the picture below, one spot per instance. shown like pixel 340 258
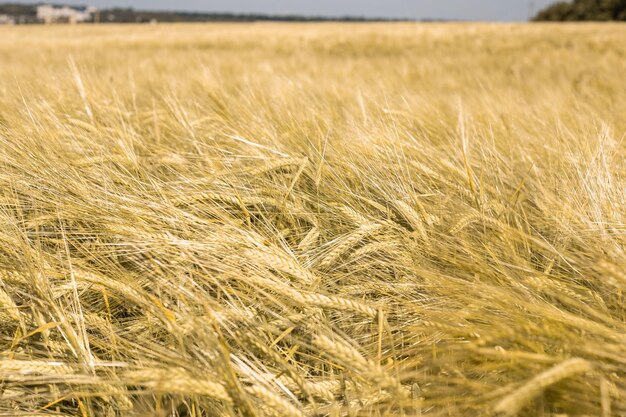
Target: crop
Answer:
pixel 313 220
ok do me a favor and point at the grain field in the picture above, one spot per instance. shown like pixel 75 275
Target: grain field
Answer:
pixel 309 220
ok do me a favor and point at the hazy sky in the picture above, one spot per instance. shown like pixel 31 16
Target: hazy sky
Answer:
pixel 506 10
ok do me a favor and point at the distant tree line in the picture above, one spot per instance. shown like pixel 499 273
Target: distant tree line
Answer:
pixel 580 10
pixel 13 9
pixel 22 13
pixel 129 15
pixel 27 13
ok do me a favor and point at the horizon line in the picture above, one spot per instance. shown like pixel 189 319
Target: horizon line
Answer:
pixel 277 16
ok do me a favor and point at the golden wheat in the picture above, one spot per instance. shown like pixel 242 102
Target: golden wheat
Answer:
pixel 312 220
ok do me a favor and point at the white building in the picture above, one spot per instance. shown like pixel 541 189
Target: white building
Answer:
pixel 5 19
pixel 64 14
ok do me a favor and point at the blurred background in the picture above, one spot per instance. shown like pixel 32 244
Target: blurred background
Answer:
pixel 473 10
pixel 145 11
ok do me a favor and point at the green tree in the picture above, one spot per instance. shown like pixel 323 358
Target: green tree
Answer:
pixel 580 10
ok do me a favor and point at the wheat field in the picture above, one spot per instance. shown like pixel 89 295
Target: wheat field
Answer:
pixel 313 220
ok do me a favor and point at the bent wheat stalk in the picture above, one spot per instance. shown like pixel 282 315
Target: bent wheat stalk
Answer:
pixel 513 403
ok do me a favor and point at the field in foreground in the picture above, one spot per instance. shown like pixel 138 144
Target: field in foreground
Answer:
pixel 313 220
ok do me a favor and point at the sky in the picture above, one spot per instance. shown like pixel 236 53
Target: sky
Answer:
pixel 484 10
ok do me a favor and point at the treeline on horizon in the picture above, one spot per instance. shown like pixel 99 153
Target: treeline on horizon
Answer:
pixel 28 13
pixel 577 10
pixel 584 10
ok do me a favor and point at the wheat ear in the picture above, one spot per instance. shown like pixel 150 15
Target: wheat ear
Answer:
pixel 283 263
pixel 275 164
pixel 309 240
pixel 351 358
pixel 347 242
pixel 343 352
pixel 274 402
pixel 8 305
pixel 338 303
pixel 9 368
pixel 178 381
pixel 412 217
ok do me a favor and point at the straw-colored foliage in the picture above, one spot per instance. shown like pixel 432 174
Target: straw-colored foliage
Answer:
pixel 313 220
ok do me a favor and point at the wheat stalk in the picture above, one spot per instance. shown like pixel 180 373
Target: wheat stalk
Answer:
pixel 513 403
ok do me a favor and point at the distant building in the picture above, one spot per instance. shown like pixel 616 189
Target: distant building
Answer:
pixel 5 19
pixel 65 14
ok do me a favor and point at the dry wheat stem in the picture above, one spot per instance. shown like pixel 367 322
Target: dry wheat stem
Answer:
pixel 513 403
